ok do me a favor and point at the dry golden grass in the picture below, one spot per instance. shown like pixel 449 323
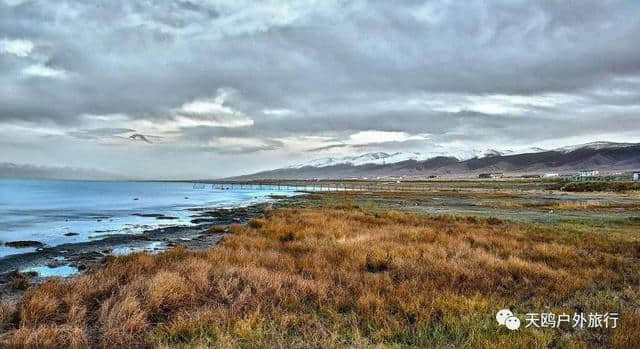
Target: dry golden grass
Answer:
pixel 8 312
pixel 581 205
pixel 335 277
pixel 576 205
pixel 217 229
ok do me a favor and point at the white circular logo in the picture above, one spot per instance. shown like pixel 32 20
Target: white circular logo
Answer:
pixel 512 323
pixel 502 315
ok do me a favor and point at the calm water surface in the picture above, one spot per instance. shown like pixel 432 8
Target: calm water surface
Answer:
pixel 46 210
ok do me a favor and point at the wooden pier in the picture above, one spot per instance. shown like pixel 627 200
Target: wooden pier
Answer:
pixel 309 185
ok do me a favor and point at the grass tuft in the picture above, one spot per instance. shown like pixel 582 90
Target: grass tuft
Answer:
pixel 343 276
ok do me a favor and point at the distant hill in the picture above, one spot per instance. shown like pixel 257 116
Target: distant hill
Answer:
pixel 603 156
pixel 27 171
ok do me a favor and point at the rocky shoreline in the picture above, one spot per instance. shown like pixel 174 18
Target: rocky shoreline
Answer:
pixel 16 270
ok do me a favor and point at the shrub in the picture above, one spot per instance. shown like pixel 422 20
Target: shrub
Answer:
pixel 589 186
pixel 217 229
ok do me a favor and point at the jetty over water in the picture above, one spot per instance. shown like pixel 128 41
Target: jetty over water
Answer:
pixel 341 185
pixel 300 185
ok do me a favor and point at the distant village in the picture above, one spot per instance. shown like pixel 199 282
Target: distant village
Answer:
pixel 583 175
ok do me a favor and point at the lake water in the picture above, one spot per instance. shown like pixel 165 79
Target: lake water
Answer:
pixel 46 210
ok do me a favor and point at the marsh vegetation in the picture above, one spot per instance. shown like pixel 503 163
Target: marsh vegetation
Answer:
pixel 348 269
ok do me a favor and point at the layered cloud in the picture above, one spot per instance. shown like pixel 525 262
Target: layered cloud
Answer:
pixel 200 113
pixel 16 47
pixel 42 71
pixel 262 84
pixel 209 112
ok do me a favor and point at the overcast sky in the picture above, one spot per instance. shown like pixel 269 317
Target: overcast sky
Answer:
pixel 183 89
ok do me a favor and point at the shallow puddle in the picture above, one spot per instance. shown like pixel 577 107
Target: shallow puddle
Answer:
pixel 154 247
pixel 61 271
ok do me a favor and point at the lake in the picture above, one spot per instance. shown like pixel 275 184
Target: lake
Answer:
pixel 62 211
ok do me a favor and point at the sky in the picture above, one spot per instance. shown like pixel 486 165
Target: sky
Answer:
pixel 206 89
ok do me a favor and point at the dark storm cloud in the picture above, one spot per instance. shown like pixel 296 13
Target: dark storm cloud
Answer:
pixel 331 68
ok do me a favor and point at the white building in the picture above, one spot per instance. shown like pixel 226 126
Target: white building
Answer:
pixel 550 175
pixel 589 173
pixel 636 176
pixel 491 175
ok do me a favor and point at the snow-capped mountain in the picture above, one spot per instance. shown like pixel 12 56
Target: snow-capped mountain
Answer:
pixel 494 152
pixel 382 158
pixel 379 158
pixel 594 146
pixel 603 156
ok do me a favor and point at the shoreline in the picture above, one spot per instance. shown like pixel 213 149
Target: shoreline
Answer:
pixel 345 262
pixel 88 255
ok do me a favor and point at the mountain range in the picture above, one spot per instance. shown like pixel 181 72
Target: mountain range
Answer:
pixel 607 157
pixel 28 171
